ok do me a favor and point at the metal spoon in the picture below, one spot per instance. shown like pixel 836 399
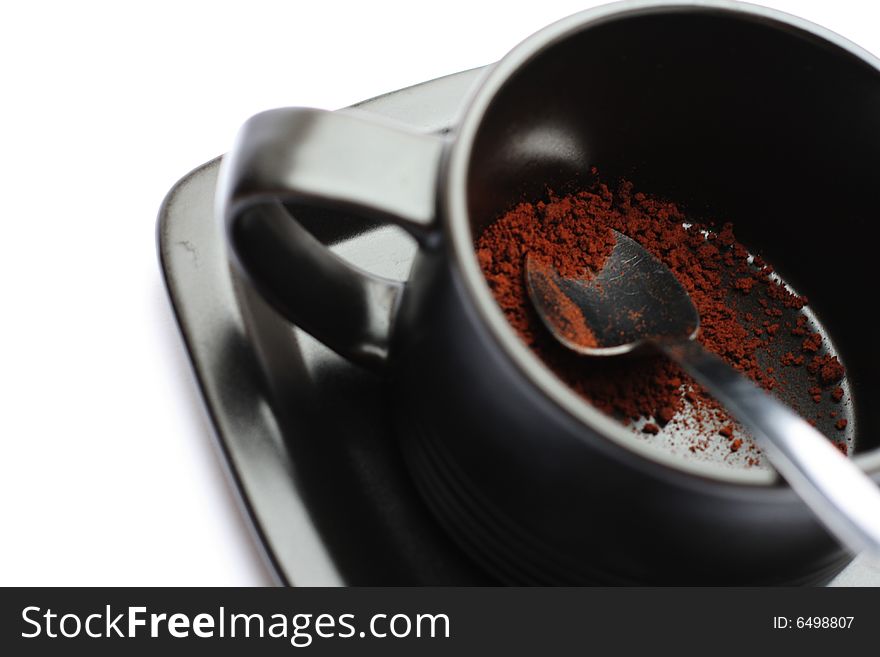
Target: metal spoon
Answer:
pixel 635 301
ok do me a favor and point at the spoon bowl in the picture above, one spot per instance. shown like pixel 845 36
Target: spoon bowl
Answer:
pixel 634 300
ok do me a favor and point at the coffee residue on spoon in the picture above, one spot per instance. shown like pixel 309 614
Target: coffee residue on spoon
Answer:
pixel 565 315
pixel 573 233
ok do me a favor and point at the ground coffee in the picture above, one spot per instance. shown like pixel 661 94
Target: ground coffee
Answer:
pixel 573 232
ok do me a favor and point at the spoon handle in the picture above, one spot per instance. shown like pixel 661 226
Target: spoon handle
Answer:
pixel 841 495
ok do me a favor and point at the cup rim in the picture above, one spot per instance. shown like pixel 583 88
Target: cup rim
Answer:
pixel 453 197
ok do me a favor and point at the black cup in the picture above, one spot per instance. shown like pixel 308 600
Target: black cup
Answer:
pixel 744 112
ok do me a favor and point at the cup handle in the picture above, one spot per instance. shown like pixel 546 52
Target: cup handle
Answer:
pixel 336 161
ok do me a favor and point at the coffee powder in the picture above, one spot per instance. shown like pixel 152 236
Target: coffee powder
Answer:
pixel 573 233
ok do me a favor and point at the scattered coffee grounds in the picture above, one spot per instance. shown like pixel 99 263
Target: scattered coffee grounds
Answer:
pixel 573 234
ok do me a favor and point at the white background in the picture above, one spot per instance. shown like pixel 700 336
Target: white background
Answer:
pixel 108 473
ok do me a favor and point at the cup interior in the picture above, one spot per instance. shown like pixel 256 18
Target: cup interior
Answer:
pixel 737 116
